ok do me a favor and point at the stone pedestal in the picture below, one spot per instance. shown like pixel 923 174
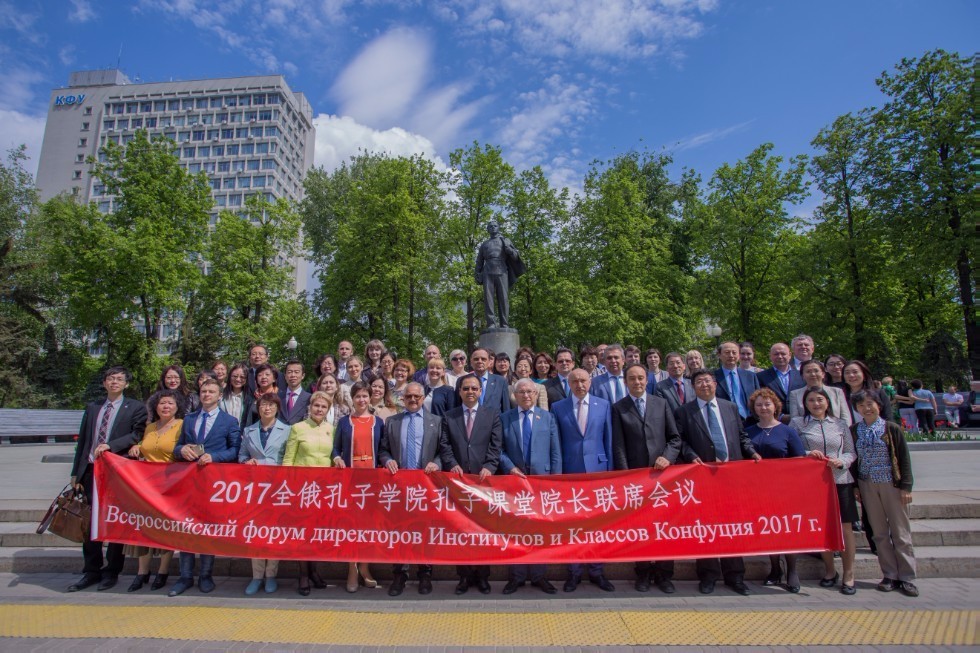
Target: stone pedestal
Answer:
pixel 501 340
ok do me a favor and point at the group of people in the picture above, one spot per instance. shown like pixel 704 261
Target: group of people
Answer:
pixel 540 414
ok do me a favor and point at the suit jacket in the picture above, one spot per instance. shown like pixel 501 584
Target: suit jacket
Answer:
pixel 639 441
pixel 300 408
pixel 443 399
pixel 602 388
pixel 497 395
pixel 481 449
pixel 555 390
pixel 590 451
pixel 838 403
pixel 223 440
pixel 252 449
pixel 545 450
pixel 343 437
pixel 769 379
pixel 696 441
pixel 748 383
pixel 667 391
pixel 390 447
pixel 127 430
pixel 250 380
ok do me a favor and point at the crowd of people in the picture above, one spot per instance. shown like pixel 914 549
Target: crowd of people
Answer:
pixel 483 413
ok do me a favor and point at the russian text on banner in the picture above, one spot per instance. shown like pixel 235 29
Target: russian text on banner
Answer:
pixel 311 513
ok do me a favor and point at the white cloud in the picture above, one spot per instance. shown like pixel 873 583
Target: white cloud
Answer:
pixel 82 11
pixel 17 129
pixel 340 137
pixel 377 87
pixel 620 28
pixel 16 87
pixel 698 140
pixel 66 55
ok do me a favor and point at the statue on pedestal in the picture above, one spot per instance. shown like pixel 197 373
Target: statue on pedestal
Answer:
pixel 498 266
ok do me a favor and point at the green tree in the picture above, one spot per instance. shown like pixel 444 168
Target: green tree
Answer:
pixel 924 152
pixel 744 236
pixel 138 263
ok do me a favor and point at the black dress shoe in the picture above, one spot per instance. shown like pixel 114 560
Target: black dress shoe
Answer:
pixel 887 585
pixel 706 586
pixel 740 587
pixel 398 585
pixel 848 590
pixel 602 583
pixel 425 584
pixel 159 581
pixel 908 589
pixel 830 582
pixel 462 586
pixel 138 582
pixel 512 586
pixel 87 580
pixel 545 586
pixel 108 583
pixel 571 584
pixel 665 586
pixel 483 585
pixel 303 590
pixel 316 580
pixel 642 584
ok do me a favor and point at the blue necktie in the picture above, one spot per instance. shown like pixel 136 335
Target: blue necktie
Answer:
pixel 411 459
pixel 564 385
pixel 615 388
pixel 717 435
pixel 203 428
pixel 483 389
pixel 526 435
pixel 784 381
pixel 736 393
pixel 639 406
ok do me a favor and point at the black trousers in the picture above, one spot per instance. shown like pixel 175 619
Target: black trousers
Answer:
pixel 659 570
pixel 424 570
pixel 473 573
pixel 711 569
pixel 91 550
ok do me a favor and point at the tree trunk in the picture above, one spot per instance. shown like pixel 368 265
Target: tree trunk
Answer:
pixel 860 343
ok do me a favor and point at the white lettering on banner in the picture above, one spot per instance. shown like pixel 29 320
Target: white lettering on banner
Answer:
pixel 605 498
pixel 231 492
pixel 611 536
pixel 776 524
pixel 686 492
pixel 578 501
pixel 659 496
pixel 551 503
pixel 362 496
pixel 284 496
pixel 309 495
pixel 633 496
pixel 415 496
pixel 522 503
pixel 389 496
pixel 439 536
pixel 334 496
pixel 443 501
pixel 190 527
pixel 390 539
pixel 278 534
pixel 702 532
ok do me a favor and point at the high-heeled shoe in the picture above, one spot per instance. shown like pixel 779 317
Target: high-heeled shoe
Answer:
pixel 138 582
pixel 353 579
pixel 830 582
pixel 316 580
pixel 301 590
pixel 159 581
pixel 775 575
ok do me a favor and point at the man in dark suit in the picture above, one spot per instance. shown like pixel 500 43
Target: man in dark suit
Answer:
pixel 610 385
pixel 296 403
pixel 781 378
pixel 585 431
pixel 676 389
pixel 258 354
pixel 645 435
pixel 495 393
pixel 530 446
pixel 712 432
pixel 411 441
pixel 557 386
pixel 802 346
pixel 115 425
pixel 470 444
pixel 735 384
pixel 209 435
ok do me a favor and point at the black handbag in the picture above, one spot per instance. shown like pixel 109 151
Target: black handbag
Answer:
pixel 70 516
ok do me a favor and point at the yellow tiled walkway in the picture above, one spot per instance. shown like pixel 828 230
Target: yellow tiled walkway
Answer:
pixel 679 628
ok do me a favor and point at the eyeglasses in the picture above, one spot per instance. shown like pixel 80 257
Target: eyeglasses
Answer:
pixel 411 396
pixel 458 358
pixel 529 391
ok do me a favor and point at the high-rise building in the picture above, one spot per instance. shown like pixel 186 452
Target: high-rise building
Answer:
pixel 248 134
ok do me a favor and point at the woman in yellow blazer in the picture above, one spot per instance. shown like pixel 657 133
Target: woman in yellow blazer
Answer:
pixel 310 444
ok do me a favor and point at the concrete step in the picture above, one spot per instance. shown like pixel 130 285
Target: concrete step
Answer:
pixel 932 562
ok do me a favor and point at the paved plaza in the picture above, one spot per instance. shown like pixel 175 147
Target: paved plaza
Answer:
pixel 36 613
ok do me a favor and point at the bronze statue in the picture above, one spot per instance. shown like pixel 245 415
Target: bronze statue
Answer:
pixel 498 265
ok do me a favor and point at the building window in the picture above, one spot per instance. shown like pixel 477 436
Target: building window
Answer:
pixel 259 98
pixel 188 153
pixel 265 115
pixel 218 150
pixel 151 123
pixel 245 101
pixel 117 109
pixel 127 139
pixel 245 182
pixel 231 150
pixel 258 181
pixel 209 167
pixel 199 135
pixel 236 117
pixel 146 107
pixel 273 98
pixel 207 119
pixel 82 142
pixel 238 166
pixel 187 104
pixel 253 164
pixel 108 124
pixel 268 164
pixel 77 174
pixel 235 200
pixel 229 183
pixel 241 132
pixel 171 135
pixel 250 116
pixel 98 189
pixel 173 105
pixel 201 103
pixel 79 158
pixel 215 103
pixel 137 123
pixel 85 126
pixel 220 200
pixel 224 166
pixel 104 206
pixel 203 151
pixel 221 117
pixel 194 168
pixel 88 111
pixel 183 137
pixel 193 120
pixel 231 101
pixel 166 121
pixel 271 132
pixel 227 133
pixel 131 107
pixel 122 123
pixel 261 148
pixel 248 148
pixel 179 121
pixel 159 105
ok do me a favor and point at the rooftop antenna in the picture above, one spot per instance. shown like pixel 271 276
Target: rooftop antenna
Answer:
pixel 119 57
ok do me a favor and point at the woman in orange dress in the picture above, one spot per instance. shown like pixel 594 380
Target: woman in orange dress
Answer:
pixel 356 446
pixel 157 446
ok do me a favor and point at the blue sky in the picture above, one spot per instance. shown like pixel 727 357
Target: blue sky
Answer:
pixel 555 83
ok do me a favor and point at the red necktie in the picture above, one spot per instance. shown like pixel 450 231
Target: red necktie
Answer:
pixel 680 390
pixel 469 423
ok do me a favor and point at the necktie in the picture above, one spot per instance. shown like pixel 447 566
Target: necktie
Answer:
pixel 526 435
pixel 736 393
pixel 411 444
pixel 784 381
pixel 203 428
pixel 581 416
pixel 639 406
pixel 564 386
pixel 264 436
pixel 717 435
pixel 291 402
pixel 483 389
pixel 469 422
pixel 680 390
pixel 615 392
pixel 104 424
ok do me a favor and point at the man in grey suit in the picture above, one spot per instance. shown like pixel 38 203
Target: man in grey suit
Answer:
pixel 610 384
pixel 411 441
pixel 530 446
pixel 712 432
pixel 470 444
pixel 645 435
pixel 676 389
pixel 296 400
pixel 557 386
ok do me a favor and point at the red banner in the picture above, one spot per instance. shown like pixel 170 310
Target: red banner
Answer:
pixel 370 515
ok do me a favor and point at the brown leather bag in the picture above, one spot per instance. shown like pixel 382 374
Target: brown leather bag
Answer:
pixel 69 516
